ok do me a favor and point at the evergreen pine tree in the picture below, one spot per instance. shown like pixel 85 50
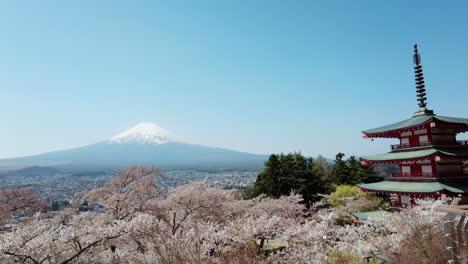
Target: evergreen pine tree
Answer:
pixel 340 172
pixel 284 173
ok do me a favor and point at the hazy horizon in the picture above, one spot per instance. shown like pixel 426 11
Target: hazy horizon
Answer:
pixel 260 77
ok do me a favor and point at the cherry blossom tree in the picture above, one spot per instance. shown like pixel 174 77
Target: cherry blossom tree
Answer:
pixel 16 201
pixel 128 192
pixel 193 223
pixel 89 236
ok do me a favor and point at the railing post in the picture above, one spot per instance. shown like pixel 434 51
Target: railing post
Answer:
pixel 463 233
pixel 450 237
pixel 462 241
pixel 456 233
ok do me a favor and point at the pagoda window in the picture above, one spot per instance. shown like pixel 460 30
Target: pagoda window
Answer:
pixel 405 170
pixel 423 140
pixel 405 142
pixel 426 170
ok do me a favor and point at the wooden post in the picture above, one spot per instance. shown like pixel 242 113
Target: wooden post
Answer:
pixel 450 237
pixel 463 238
pixel 456 233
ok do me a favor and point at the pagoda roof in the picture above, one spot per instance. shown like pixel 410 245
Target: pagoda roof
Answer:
pixel 414 122
pixel 455 152
pixel 416 187
pixel 372 214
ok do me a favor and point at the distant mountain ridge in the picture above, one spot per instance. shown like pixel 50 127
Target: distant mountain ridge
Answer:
pixel 37 170
pixel 146 144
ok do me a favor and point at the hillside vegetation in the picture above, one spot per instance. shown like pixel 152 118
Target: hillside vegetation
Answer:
pixel 132 220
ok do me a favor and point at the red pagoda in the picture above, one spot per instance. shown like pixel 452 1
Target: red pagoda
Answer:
pixel 430 158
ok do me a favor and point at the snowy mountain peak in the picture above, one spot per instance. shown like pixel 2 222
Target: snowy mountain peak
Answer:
pixel 146 133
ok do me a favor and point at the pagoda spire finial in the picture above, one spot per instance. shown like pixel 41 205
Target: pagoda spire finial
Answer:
pixel 420 87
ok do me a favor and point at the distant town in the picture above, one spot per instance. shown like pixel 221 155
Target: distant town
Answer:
pixel 56 186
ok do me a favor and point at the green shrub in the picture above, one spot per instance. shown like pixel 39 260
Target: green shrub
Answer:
pixel 350 196
pixel 342 191
pixel 344 219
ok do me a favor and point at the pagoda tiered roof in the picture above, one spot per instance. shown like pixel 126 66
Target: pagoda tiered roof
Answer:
pixel 453 152
pixel 430 158
pixel 417 122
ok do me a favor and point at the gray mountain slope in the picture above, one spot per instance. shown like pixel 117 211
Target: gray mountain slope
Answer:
pixel 171 155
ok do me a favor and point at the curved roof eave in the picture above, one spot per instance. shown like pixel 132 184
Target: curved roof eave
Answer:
pixel 417 154
pixel 415 187
pixel 403 155
pixel 410 122
pixel 403 187
pixel 415 121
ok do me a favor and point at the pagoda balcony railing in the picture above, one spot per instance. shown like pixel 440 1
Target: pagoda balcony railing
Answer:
pixel 424 144
pixel 408 145
pixel 432 175
pixel 415 174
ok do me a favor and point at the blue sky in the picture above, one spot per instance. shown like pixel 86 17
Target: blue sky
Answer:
pixel 256 76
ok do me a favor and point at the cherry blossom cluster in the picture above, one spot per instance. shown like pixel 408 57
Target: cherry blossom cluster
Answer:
pixel 142 223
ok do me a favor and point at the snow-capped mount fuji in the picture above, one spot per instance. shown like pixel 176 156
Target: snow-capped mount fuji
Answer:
pixel 145 144
pixel 146 133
